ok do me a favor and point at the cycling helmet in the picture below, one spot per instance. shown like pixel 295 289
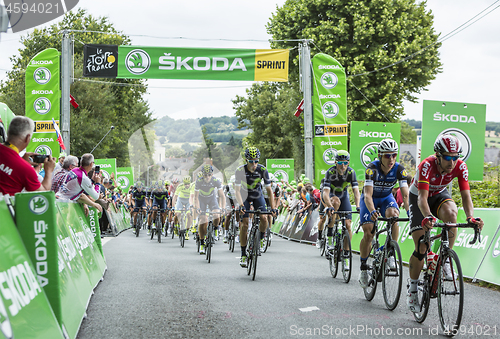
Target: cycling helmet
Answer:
pixel 207 169
pixel 186 180
pixel 342 156
pixel 138 184
pixel 252 153
pixel 447 143
pixel 388 145
pixel 200 174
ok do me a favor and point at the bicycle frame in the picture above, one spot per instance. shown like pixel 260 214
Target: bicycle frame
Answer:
pixel 253 242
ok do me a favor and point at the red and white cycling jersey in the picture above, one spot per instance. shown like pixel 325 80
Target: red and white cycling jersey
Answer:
pixel 429 178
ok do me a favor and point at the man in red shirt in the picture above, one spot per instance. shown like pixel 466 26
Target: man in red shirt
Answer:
pixel 17 173
pixel 430 199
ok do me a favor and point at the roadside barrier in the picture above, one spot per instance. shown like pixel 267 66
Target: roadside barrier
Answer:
pixel 480 260
pixel 25 311
pixel 65 251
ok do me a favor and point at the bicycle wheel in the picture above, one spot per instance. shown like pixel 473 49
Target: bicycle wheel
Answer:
pixel 322 245
pixel 233 235
pixel 346 261
pixel 255 255
pixel 152 233
pixel 208 248
pixel 392 279
pixel 182 237
pixel 266 241
pixel 138 225
pixel 173 230
pixel 333 258
pixel 372 275
pixel 424 297
pixel 450 293
pixel 197 236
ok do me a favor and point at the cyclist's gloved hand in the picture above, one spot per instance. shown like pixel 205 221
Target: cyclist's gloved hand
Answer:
pixel 357 209
pixel 428 222
pixel 476 221
pixel 374 215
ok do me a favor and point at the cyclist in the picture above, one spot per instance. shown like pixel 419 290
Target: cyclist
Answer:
pixel 159 197
pixel 139 197
pixel 430 198
pixel 191 202
pixel 230 197
pixel 206 192
pixel 380 177
pixel 248 190
pixel 335 194
pixel 182 201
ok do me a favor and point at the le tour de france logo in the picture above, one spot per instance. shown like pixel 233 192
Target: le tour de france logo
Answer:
pixel 464 140
pixel 38 204
pixel 42 105
pixel 369 153
pixel 42 75
pixel 329 156
pixel 137 61
pixel 329 80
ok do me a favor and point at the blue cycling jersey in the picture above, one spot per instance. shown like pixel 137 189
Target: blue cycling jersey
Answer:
pixel 383 183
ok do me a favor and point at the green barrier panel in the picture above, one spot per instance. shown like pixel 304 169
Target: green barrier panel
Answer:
pixel 64 269
pixel 93 222
pixel 22 299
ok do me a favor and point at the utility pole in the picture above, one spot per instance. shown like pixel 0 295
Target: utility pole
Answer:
pixel 306 84
pixel 66 81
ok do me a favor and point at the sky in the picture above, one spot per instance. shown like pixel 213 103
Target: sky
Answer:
pixel 471 58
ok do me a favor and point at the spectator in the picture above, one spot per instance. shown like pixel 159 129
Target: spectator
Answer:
pixel 59 165
pixel 77 182
pixel 38 167
pixel 17 173
pixel 69 163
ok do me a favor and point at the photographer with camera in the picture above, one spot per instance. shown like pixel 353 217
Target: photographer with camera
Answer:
pixel 17 173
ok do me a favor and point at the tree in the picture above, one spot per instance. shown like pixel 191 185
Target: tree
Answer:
pixel 408 134
pixel 365 36
pixel 101 104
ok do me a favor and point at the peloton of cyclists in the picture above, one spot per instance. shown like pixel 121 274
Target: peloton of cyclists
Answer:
pixel 139 197
pixel 159 201
pixel 181 201
pixel 380 177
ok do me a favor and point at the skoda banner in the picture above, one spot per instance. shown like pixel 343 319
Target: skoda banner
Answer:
pixel 365 137
pixel 329 113
pixel 283 169
pixel 108 166
pixel 125 178
pixel 466 121
pixel 43 97
pixel 138 62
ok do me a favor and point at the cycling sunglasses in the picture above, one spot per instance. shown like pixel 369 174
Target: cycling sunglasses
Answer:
pixel 450 158
pixel 389 156
pixel 343 162
pixel 253 161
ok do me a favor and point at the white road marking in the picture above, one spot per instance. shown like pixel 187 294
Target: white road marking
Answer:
pixel 309 309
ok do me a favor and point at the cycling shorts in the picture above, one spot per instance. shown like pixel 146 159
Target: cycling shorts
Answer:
pixel 345 204
pixel 210 203
pixel 383 203
pixel 161 203
pixel 435 202
pixel 139 204
pixel 258 204
pixel 268 203
pixel 182 204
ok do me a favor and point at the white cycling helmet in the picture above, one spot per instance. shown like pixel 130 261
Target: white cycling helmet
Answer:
pixel 388 145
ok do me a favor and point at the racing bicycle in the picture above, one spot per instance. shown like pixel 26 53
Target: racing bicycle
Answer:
pixel 253 243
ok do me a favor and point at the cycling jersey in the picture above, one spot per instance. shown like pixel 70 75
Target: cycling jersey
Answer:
pixel 428 177
pixel 339 182
pixel 138 195
pixel 182 192
pixel 208 189
pixel 75 183
pixel 250 181
pixel 158 194
pixel 382 184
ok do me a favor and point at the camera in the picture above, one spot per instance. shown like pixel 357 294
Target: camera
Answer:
pixel 40 158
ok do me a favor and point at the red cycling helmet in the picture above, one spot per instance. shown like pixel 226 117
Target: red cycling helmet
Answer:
pixel 447 143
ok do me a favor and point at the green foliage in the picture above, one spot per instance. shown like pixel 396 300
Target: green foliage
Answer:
pixel 408 134
pixel 364 36
pixel 486 193
pixel 268 112
pixel 101 104
pixel 417 124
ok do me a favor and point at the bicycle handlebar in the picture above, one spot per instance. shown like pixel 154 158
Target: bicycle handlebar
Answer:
pixel 257 212
pixel 477 232
pixel 345 212
pixel 393 219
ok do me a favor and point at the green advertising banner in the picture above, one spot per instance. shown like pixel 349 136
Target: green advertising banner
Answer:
pixel 108 166
pixel 365 137
pixel 200 63
pixel 466 121
pixel 25 311
pixel 125 178
pixel 329 91
pixel 43 97
pixel 325 151
pixel 283 169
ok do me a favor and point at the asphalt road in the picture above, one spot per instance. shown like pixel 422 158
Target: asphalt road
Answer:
pixel 153 290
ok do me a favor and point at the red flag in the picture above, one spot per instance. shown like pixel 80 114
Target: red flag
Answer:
pixel 73 102
pixel 59 137
pixel 300 109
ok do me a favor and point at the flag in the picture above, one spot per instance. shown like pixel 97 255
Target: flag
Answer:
pixel 73 102
pixel 300 109
pixel 59 137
